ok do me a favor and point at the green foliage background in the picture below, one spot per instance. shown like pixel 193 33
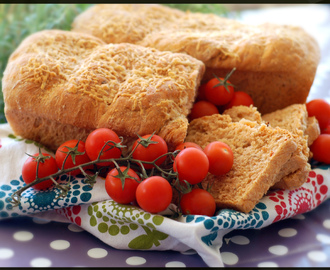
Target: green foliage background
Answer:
pixel 17 21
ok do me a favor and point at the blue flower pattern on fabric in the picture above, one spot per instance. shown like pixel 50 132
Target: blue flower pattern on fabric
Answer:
pixel 229 219
pixel 37 201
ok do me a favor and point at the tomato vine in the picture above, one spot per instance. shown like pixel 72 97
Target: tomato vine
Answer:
pixel 146 175
pixel 165 171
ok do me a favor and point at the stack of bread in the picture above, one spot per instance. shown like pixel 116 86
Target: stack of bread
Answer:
pixel 270 151
pixel 137 68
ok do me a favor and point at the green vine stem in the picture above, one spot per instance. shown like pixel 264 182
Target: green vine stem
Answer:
pixel 165 171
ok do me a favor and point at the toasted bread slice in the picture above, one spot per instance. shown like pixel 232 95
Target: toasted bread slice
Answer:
pixel 259 154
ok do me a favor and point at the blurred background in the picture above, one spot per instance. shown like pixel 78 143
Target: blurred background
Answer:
pixel 20 20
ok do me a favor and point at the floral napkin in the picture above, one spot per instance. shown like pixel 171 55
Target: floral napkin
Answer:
pixel 129 227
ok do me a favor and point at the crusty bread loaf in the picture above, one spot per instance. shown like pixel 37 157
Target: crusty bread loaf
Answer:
pixel 259 154
pixel 60 85
pixel 275 64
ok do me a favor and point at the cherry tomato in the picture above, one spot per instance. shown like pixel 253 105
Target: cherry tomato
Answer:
pixel 219 91
pixel 150 149
pixel 154 194
pixel 326 130
pixel 221 157
pixel 321 110
pixel 97 139
pixel 185 145
pixel 202 108
pixel 321 148
pixel 201 92
pixel 46 167
pixel 80 156
pixel 198 202
pixel 240 98
pixel 192 165
pixel 114 186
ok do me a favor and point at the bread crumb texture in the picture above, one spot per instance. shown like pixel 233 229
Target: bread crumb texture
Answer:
pixel 304 129
pixel 259 154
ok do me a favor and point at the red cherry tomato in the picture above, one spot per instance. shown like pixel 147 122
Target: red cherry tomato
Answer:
pixel 202 108
pixel 321 148
pixel 321 110
pixel 150 152
pixel 240 98
pixel 185 145
pixel 80 158
pixel 221 157
pixel 326 130
pixel 97 139
pixel 219 91
pixel 198 202
pixel 46 168
pixel 154 194
pixel 114 186
pixel 192 165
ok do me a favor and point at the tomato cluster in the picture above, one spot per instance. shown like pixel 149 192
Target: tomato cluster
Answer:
pixel 192 165
pixel 320 148
pixel 216 96
pixel 147 176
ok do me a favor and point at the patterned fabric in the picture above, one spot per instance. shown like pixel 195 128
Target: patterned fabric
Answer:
pixel 129 227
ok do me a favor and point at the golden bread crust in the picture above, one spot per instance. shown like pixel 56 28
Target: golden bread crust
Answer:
pixel 275 64
pixel 60 85
pixel 312 130
pixel 259 154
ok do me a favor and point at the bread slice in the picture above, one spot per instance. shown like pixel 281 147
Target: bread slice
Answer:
pixel 237 113
pixel 259 154
pixel 293 118
pixel 61 85
pixel 275 64
pixel 312 130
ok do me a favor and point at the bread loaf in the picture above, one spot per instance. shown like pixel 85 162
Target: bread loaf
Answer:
pixel 259 154
pixel 61 85
pixel 275 64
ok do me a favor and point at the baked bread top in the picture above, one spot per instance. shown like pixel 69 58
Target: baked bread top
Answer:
pixel 60 85
pixel 259 154
pixel 275 64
